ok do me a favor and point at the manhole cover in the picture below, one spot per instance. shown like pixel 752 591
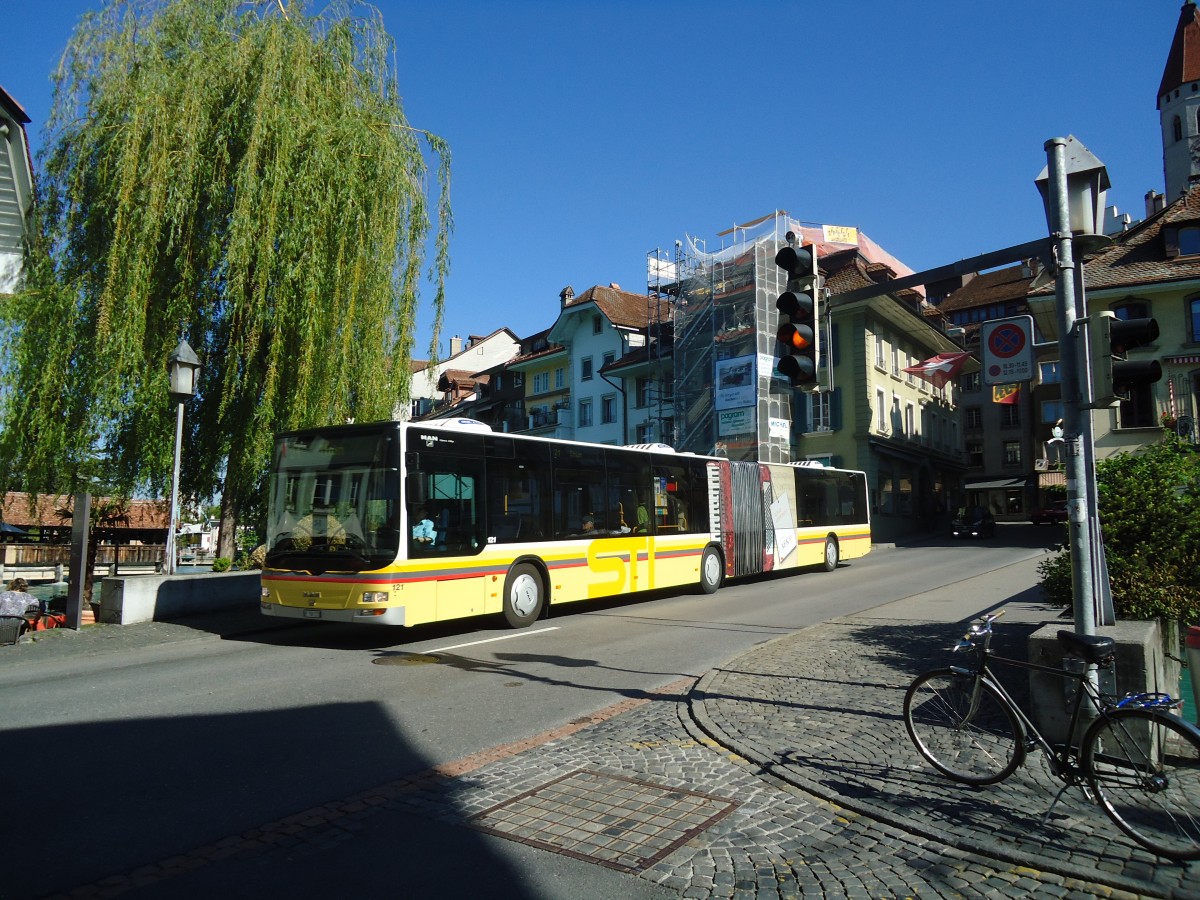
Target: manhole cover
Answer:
pixel 405 659
pixel 617 822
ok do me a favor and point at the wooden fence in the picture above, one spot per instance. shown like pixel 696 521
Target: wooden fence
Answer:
pixel 48 555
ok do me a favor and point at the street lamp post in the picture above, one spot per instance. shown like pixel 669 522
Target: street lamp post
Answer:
pixel 183 367
pixel 1073 185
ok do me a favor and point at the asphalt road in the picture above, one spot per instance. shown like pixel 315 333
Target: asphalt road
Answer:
pixel 141 746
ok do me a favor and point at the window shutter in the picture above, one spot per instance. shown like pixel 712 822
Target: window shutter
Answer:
pixel 1171 238
pixel 800 412
pixel 835 409
pixel 833 344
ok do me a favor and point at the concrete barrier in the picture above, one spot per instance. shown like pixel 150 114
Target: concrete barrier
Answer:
pixel 1141 666
pixel 125 600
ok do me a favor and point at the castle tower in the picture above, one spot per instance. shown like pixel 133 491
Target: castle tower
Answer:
pixel 1179 105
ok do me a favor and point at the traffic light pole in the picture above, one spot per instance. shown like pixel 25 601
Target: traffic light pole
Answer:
pixel 1079 514
pixel 1102 604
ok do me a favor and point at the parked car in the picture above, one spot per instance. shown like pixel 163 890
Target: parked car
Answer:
pixel 975 521
pixel 1050 514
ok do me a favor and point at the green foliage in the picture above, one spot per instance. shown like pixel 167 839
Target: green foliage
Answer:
pixel 1150 519
pixel 252 559
pixel 241 174
pixel 222 564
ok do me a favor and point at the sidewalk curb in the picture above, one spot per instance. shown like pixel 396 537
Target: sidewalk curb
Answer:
pixel 702 727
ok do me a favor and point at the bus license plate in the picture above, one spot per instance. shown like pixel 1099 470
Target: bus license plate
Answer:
pixel 312 614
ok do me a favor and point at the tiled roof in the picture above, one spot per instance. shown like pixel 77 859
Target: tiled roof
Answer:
pixel 143 514
pixel 462 377
pixel 624 309
pixel 990 287
pixel 12 107
pixel 1183 62
pixel 845 271
pixel 1139 256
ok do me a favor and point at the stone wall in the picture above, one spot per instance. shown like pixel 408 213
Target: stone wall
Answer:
pixel 126 599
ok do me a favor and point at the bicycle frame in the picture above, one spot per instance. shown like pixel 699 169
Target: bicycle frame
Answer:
pixel 1062 761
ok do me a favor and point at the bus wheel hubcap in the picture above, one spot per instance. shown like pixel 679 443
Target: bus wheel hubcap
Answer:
pixel 524 595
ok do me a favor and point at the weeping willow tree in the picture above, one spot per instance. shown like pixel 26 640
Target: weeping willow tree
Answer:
pixel 241 175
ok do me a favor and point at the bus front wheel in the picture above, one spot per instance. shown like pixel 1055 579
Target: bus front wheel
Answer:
pixel 831 554
pixel 522 595
pixel 711 571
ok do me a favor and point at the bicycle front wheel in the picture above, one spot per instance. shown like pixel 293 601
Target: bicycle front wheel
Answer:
pixel 963 727
pixel 1144 766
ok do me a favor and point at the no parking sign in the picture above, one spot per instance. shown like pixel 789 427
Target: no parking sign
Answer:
pixel 1006 347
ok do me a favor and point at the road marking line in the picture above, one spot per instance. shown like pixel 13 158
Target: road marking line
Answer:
pixel 503 637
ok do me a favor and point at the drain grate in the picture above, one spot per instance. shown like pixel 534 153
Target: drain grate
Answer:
pixel 618 822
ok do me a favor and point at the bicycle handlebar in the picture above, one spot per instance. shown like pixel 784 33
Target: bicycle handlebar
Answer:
pixel 981 628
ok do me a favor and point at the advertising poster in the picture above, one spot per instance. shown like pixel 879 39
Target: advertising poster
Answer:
pixel 731 422
pixel 735 380
pixel 785 536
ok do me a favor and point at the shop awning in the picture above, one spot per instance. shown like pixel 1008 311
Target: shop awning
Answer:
pixel 995 484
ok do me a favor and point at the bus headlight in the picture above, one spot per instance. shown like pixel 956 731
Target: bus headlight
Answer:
pixel 266 593
pixel 375 597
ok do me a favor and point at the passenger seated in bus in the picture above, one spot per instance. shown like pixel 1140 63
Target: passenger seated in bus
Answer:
pixel 422 531
pixel 587 527
pixel 643 518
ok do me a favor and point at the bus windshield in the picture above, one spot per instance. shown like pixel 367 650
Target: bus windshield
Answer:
pixel 334 500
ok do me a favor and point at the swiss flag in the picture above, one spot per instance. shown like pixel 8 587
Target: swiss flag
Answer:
pixel 937 370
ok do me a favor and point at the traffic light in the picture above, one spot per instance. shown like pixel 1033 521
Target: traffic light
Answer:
pixel 1113 375
pixel 799 331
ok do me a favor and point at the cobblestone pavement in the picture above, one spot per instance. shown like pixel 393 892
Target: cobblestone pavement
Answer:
pixel 820 710
pixel 784 773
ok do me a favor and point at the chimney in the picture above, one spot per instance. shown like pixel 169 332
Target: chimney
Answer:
pixel 455 345
pixel 566 295
pixel 1154 203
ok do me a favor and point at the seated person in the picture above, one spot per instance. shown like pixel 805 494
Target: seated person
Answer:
pixel 587 527
pixel 643 520
pixel 423 531
pixel 17 601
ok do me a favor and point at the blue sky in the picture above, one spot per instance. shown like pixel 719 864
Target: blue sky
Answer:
pixel 586 134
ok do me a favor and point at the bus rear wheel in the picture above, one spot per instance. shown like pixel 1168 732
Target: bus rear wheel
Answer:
pixel 711 571
pixel 523 596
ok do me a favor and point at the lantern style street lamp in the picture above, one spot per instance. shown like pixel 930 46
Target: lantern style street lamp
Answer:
pixel 183 368
pixel 1073 187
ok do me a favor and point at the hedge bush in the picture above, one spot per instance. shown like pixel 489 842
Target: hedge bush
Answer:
pixel 1150 519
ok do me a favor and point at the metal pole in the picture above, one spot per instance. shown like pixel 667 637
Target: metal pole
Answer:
pixel 1077 474
pixel 81 519
pixel 1102 605
pixel 169 567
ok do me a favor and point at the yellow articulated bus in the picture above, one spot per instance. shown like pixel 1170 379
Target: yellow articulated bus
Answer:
pixel 406 523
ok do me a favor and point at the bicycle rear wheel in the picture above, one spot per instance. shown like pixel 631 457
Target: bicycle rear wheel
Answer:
pixel 963 727
pixel 1144 766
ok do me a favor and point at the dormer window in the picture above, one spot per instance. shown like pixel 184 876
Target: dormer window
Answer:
pixel 1182 239
pixel 1189 240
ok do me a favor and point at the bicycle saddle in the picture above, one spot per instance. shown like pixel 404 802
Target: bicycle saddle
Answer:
pixel 1091 648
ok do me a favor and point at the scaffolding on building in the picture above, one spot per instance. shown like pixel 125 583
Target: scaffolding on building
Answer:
pixel 725 399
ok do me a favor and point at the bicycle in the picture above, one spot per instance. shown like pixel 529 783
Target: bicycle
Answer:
pixel 1136 759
